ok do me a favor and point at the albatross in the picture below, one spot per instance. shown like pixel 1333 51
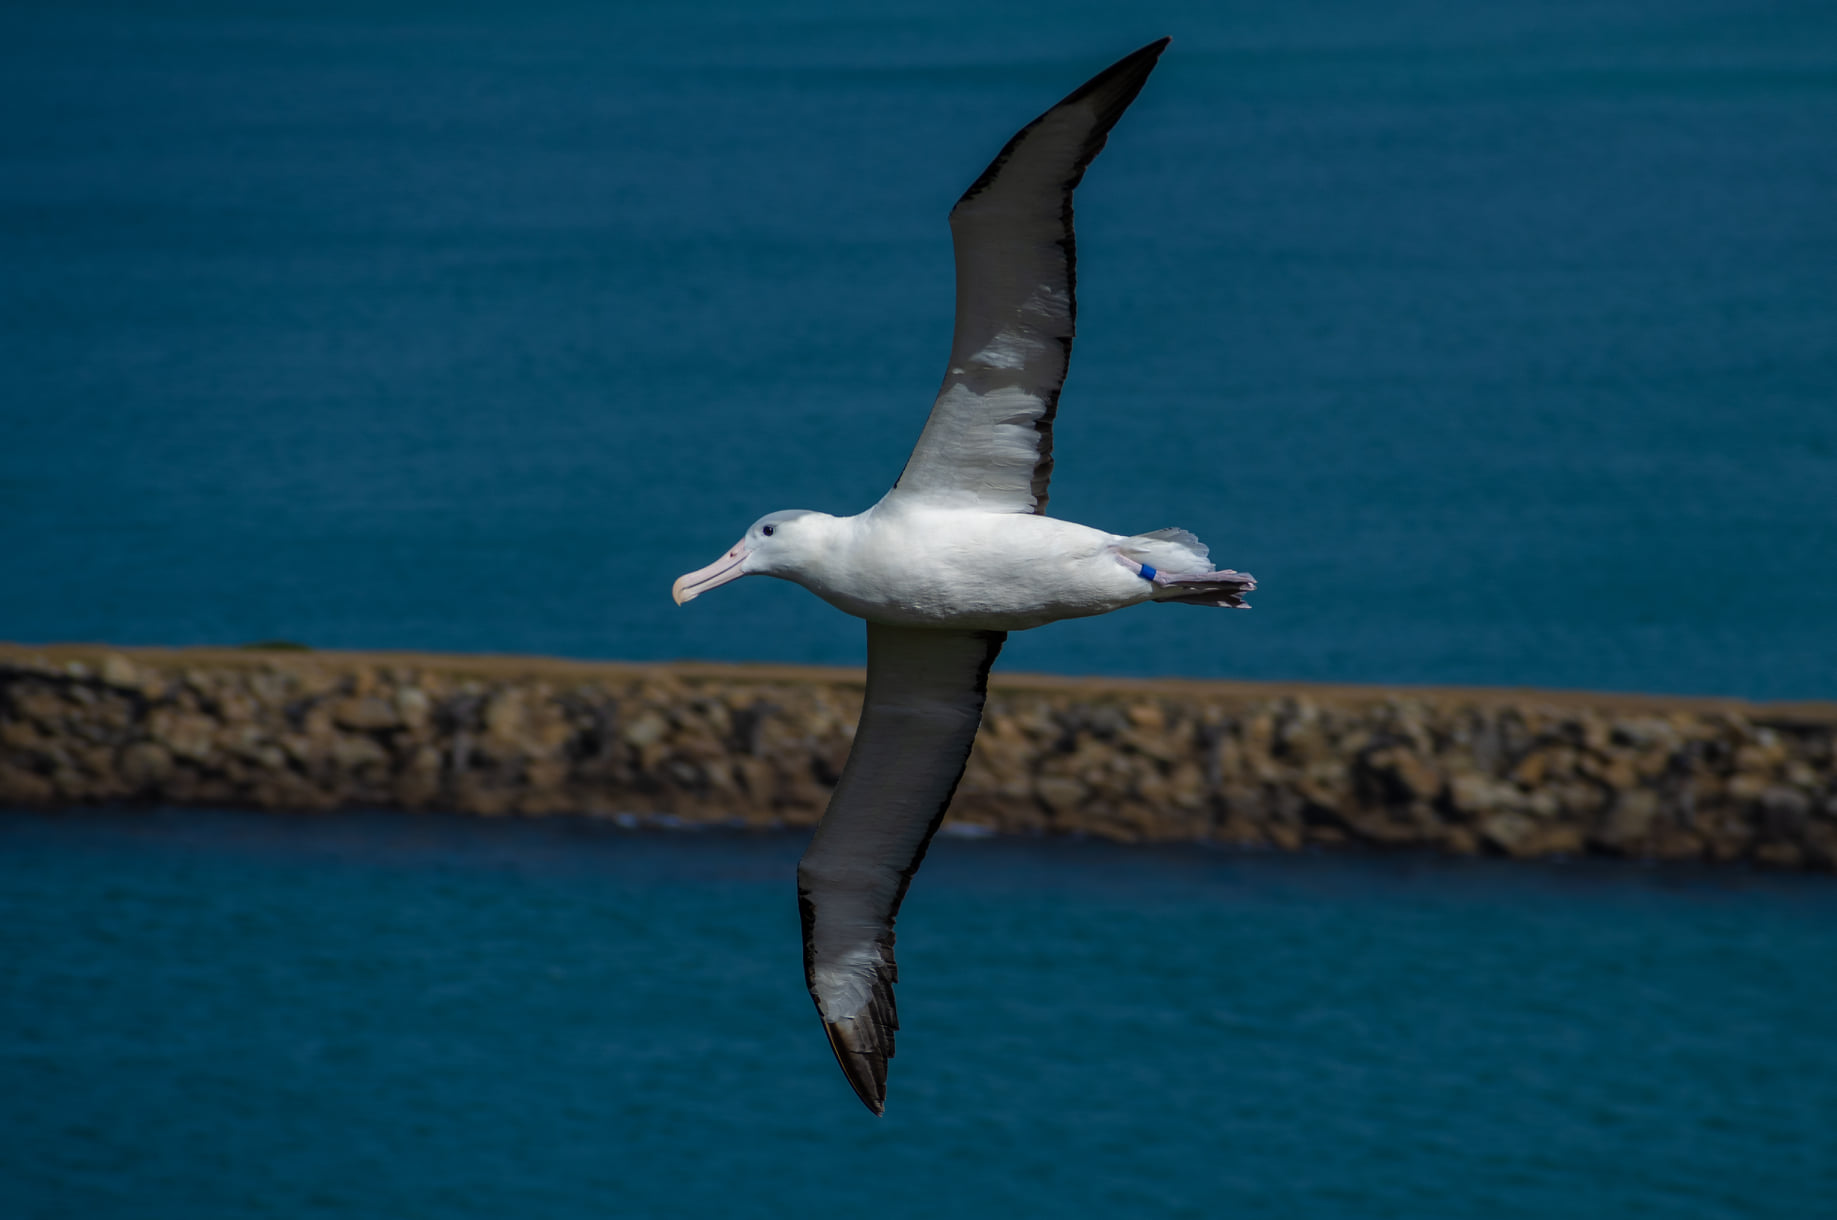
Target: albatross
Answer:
pixel 959 553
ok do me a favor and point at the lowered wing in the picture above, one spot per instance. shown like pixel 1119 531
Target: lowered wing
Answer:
pixel 925 690
pixel 988 442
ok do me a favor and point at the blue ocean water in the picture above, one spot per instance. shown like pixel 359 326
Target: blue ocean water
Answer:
pixel 210 1015
pixel 1499 341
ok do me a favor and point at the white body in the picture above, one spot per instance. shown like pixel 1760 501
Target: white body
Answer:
pixel 910 565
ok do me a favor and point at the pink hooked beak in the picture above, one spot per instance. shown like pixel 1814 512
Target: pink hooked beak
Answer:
pixel 730 566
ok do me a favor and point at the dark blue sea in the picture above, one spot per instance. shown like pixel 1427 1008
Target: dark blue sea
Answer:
pixel 207 1015
pixel 1498 340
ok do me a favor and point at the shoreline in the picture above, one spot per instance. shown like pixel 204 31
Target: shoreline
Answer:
pixel 1459 770
pixel 538 665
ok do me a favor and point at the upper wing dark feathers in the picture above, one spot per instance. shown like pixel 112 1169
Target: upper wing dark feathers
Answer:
pixel 988 441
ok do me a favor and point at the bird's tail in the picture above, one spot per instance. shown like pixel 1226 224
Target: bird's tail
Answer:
pixel 1177 564
pixel 1221 588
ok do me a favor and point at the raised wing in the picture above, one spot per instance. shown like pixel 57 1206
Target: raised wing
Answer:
pixel 988 443
pixel 925 691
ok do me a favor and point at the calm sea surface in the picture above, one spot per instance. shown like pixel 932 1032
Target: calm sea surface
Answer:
pixel 1499 340
pixel 239 1014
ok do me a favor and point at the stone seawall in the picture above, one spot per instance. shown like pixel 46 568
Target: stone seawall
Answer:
pixel 1515 772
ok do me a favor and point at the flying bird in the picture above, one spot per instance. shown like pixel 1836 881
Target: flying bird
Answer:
pixel 959 553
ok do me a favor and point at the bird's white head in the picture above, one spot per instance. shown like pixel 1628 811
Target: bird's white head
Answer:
pixel 775 545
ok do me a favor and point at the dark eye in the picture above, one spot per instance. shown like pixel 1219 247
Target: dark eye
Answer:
pixel 767 531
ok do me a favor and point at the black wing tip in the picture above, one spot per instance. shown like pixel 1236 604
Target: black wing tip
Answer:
pixel 1133 67
pixel 1120 83
pixel 863 1061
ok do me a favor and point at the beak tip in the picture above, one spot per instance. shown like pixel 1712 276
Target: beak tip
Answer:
pixel 691 585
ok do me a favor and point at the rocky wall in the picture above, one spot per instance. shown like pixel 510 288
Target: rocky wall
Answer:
pixel 1518 773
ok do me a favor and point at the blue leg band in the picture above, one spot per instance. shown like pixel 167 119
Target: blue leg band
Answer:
pixel 1148 573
